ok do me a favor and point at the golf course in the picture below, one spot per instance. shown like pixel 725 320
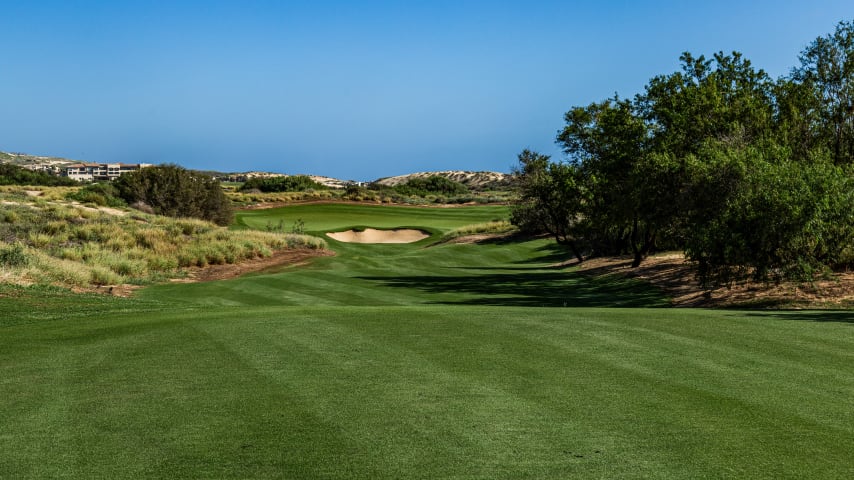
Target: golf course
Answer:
pixel 440 358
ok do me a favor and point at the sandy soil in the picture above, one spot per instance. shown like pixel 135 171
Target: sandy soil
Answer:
pixel 672 273
pixel 292 257
pixel 370 235
pixel 210 273
pixel 107 210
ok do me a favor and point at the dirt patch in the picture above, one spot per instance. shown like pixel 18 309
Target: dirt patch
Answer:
pixel 33 193
pixel 672 273
pixel 107 210
pixel 371 235
pixel 291 257
pixel 481 238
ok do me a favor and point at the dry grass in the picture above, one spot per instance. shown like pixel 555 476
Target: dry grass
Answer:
pixel 494 227
pixel 44 240
pixel 673 274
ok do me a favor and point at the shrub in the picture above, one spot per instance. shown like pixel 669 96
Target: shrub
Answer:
pixel 293 183
pixel 103 194
pixel 495 226
pixel 15 175
pixel 103 276
pixel 176 192
pixel 434 184
pixel 14 256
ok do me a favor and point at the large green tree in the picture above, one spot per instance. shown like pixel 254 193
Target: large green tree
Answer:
pixel 723 99
pixel 827 68
pixel 176 192
pixel 552 196
pixel 762 215
pixel 750 177
pixel 609 142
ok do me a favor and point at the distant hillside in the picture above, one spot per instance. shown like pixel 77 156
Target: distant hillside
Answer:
pixel 472 180
pixel 25 160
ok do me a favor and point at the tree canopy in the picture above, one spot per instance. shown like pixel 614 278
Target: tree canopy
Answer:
pixel 173 191
pixel 16 175
pixel 291 183
pixel 749 176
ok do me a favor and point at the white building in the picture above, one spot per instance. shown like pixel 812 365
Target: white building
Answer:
pixel 90 172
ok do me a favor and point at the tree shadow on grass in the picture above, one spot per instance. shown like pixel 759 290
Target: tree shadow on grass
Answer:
pixel 550 253
pixel 544 289
pixel 835 316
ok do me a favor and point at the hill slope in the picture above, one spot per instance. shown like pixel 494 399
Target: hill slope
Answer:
pixel 473 180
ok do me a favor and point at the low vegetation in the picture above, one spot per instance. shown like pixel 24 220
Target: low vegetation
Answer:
pixel 14 175
pixel 416 191
pixel 290 183
pixel 486 228
pixel 76 246
pixel 173 191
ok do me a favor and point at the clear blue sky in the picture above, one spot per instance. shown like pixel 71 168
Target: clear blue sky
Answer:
pixel 354 90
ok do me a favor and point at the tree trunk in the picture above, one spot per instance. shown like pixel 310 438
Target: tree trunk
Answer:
pixel 635 249
pixel 572 246
pixel 641 252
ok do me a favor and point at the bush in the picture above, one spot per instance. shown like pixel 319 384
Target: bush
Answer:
pixel 15 175
pixel 101 194
pixel 14 256
pixel 434 184
pixel 293 183
pixel 769 218
pixel 176 192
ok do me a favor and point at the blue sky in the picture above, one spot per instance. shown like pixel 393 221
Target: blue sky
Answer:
pixel 354 90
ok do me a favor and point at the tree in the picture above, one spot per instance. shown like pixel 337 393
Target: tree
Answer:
pixel 609 144
pixel 750 177
pixel 434 184
pixel 762 215
pixel 293 183
pixel 173 191
pixel 14 175
pixel 551 199
pixel 722 99
pixel 827 67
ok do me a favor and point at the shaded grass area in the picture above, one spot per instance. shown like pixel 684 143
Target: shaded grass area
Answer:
pixel 499 273
pixel 528 289
pixel 428 392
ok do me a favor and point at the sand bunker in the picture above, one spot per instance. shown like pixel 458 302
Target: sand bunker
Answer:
pixel 370 235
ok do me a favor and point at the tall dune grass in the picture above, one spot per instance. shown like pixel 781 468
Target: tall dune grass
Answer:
pixel 495 226
pixel 44 242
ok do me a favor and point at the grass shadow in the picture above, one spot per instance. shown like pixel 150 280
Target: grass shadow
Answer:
pixel 545 289
pixel 834 316
pixel 550 253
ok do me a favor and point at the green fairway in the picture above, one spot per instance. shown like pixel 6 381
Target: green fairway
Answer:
pixel 334 216
pixel 418 361
pixel 427 392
